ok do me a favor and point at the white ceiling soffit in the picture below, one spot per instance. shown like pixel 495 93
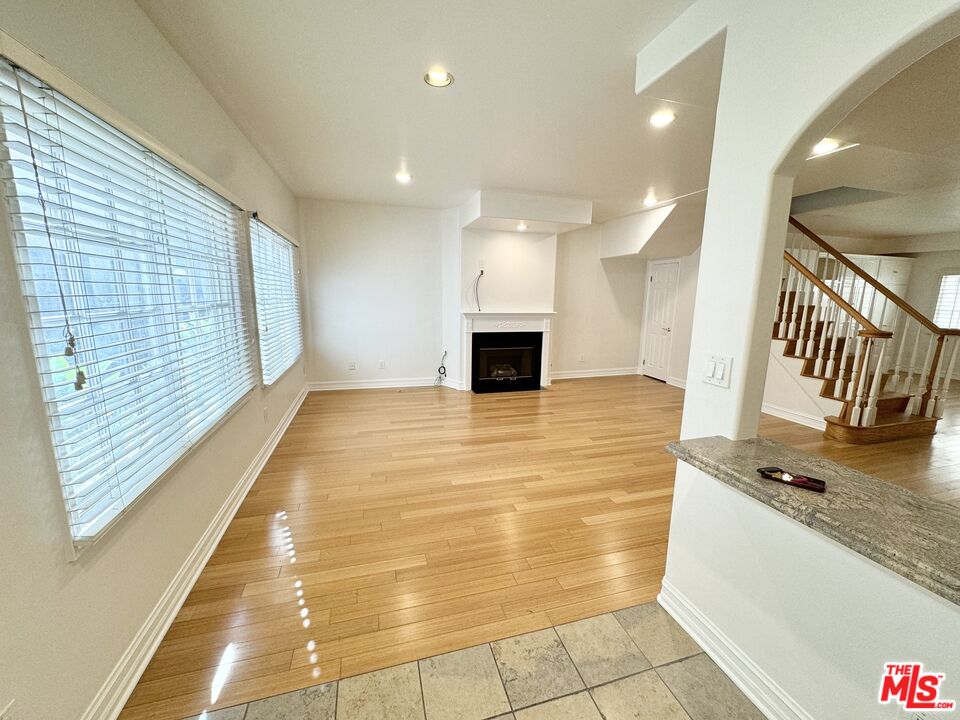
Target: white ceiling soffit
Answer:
pixel 909 135
pixel 499 210
pixel 920 213
pixel 668 231
pixel 695 81
pixel 543 100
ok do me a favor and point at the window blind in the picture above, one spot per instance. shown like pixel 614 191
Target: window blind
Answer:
pixel 947 314
pixel 133 276
pixel 277 289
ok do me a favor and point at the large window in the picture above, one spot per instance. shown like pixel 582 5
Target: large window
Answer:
pixel 133 276
pixel 277 290
pixel 947 314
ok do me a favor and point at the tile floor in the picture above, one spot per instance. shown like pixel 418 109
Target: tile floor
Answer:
pixel 634 664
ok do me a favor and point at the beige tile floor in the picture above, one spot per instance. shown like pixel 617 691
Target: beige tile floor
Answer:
pixel 634 664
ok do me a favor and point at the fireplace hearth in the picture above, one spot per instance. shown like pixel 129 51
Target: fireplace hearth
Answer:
pixel 506 361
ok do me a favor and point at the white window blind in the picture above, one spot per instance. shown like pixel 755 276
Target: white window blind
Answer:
pixel 277 289
pixel 947 314
pixel 133 276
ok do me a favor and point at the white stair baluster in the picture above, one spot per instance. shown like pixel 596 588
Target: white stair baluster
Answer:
pixel 861 365
pixel 870 413
pixel 948 377
pixel 916 399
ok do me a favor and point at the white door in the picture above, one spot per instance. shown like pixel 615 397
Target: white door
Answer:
pixel 662 277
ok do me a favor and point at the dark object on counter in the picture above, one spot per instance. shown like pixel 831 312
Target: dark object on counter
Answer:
pixel 801 481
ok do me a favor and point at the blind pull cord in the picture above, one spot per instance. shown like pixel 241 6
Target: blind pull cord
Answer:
pixel 70 350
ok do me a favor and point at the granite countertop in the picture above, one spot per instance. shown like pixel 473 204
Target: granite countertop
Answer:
pixel 912 535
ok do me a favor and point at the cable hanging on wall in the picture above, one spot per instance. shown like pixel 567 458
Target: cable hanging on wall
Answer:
pixel 441 371
pixel 476 290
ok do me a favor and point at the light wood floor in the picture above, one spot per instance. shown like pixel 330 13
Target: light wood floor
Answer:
pixel 427 520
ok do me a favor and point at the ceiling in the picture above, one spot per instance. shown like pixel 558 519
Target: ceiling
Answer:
pixel 331 93
pixel 909 135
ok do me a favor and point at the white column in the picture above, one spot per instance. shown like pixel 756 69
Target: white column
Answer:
pixel 743 239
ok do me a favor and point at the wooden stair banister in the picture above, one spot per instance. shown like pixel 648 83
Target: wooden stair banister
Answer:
pixel 869 279
pixel 875 353
pixel 869 329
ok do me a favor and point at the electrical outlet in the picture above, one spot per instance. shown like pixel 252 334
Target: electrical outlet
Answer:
pixel 582 357
pixel 481 264
pixel 383 364
pixel 266 414
pixel 352 366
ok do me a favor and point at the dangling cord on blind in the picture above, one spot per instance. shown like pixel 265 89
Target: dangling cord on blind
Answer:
pixel 71 348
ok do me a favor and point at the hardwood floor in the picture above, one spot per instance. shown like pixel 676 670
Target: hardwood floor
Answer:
pixel 927 465
pixel 414 522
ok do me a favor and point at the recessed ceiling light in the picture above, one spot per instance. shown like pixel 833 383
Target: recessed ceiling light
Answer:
pixel 827 146
pixel 403 177
pixel 662 118
pixel 438 78
pixel 522 226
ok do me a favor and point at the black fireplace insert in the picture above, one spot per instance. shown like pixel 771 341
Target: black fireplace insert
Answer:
pixel 506 362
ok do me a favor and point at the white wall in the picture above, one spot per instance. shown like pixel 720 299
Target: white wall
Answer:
pixel 683 317
pixel 373 294
pixel 519 271
pixel 925 274
pixel 599 305
pixel 450 284
pixel 63 626
pixel 767 595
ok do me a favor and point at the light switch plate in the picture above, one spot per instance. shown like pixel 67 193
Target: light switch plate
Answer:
pixel 716 370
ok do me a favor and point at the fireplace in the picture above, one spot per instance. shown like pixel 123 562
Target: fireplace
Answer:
pixel 506 361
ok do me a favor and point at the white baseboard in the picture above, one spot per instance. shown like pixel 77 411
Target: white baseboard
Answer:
pixel 603 372
pixel 811 421
pixel 677 382
pixel 454 384
pixel 772 700
pixel 114 693
pixel 324 385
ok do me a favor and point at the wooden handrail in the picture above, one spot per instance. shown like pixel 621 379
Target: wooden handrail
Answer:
pixel 880 287
pixel 869 329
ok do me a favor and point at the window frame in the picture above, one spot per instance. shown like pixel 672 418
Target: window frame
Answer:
pixel 946 272
pixel 253 217
pixel 22 57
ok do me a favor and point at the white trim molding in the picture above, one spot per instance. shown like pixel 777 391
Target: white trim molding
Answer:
pixel 603 372
pixel 453 384
pixel 811 421
pixel 115 691
pixel 327 385
pixel 771 699
pixel 677 382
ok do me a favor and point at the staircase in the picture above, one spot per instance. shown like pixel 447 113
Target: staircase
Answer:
pixel 887 365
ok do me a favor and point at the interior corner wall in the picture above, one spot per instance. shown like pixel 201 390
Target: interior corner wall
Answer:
pixel 65 625
pixel 373 292
pixel 451 283
pixel 599 305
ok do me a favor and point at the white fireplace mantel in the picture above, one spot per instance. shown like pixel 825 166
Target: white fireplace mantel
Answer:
pixel 504 322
